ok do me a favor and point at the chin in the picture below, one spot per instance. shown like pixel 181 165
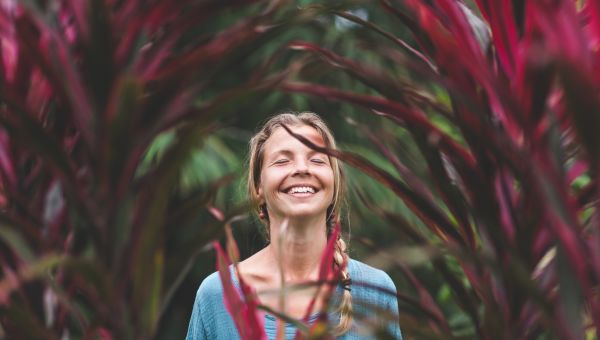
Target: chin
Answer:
pixel 307 214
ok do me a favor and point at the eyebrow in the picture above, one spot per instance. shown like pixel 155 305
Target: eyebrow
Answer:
pixel 281 151
pixel 287 152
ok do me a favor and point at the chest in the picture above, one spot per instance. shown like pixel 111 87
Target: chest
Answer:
pixel 293 300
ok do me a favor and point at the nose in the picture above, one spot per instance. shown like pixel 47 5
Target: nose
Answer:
pixel 301 167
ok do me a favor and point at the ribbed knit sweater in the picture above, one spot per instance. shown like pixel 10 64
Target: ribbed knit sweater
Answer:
pixel 370 300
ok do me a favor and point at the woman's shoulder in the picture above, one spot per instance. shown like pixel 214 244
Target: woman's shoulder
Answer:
pixel 374 287
pixel 210 319
pixel 362 272
pixel 370 284
pixel 211 287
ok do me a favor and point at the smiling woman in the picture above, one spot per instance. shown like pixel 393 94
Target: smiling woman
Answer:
pixel 298 194
pixel 296 182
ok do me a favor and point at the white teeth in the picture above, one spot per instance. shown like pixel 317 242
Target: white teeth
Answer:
pixel 301 189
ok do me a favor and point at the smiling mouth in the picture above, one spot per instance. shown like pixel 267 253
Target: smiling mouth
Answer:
pixel 301 191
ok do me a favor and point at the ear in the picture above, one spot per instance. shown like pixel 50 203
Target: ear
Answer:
pixel 260 195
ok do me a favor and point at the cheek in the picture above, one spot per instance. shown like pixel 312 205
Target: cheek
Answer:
pixel 328 180
pixel 269 183
pixel 328 177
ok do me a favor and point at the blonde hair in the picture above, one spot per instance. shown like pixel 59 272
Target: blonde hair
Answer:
pixel 255 163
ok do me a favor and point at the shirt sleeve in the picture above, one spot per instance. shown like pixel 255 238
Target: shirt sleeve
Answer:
pixel 196 330
pixel 391 304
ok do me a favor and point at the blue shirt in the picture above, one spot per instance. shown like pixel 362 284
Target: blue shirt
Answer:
pixel 370 295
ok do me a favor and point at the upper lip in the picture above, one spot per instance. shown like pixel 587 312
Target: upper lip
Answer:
pixel 286 189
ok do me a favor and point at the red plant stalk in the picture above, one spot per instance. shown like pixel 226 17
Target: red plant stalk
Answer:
pixel 243 308
pixel 328 275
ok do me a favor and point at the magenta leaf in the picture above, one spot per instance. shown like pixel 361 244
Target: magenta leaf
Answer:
pixel 242 308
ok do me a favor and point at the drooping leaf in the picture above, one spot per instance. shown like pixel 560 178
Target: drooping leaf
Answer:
pixel 243 309
pixel 438 222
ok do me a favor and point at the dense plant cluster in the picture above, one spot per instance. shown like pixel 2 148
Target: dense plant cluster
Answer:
pixel 497 99
pixel 92 243
pixel 504 111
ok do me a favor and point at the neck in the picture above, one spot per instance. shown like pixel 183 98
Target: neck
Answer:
pixel 296 246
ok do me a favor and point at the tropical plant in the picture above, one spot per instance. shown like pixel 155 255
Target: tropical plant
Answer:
pixel 501 100
pixel 99 228
pixel 95 234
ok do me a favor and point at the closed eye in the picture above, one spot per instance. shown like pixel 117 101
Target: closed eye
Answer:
pixel 318 161
pixel 280 161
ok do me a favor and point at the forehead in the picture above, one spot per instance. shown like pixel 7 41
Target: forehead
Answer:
pixel 280 139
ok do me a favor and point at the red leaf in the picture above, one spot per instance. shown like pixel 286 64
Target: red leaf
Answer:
pixel 54 59
pixel 503 193
pixel 243 309
pixel 593 9
pixel 459 56
pixel 395 109
pixel 8 46
pixel 79 10
pixel 221 45
pixel 426 301
pixel 327 273
pixel 426 210
pixel 499 14
pixel 577 169
pixel 326 268
pixel 6 163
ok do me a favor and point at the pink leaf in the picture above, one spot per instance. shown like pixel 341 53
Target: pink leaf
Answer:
pixel 503 190
pixel 499 15
pixel 243 309
pixel 577 169
pixel 327 272
pixel 593 8
pixel 6 163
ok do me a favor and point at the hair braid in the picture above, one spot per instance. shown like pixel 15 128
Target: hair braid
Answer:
pixel 340 258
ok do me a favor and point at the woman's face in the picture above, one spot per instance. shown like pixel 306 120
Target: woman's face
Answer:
pixel 295 181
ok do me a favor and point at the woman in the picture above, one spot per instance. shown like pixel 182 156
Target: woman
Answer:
pixel 298 192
